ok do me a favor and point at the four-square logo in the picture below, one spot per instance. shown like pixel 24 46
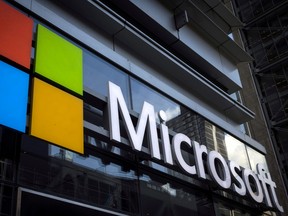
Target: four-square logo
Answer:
pixel 56 83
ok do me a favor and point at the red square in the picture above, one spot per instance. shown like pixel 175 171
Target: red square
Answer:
pixel 16 35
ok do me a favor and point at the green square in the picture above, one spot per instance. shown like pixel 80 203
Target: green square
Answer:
pixel 59 60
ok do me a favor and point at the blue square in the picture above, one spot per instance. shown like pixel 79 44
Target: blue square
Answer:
pixel 14 85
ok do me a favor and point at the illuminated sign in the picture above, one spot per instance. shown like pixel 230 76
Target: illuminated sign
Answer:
pixel 16 35
pixel 57 116
pixel 15 46
pixel 13 97
pixel 58 60
pixel 227 179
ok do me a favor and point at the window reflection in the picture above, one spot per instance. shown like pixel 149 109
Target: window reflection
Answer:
pixel 236 151
pixel 99 181
pixel 98 72
pixel 188 123
pixel 108 147
pixel 225 210
pixel 159 196
pixel 141 93
pixel 255 158
pixel 91 162
pixel 215 139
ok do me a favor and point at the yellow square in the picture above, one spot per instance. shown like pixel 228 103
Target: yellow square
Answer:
pixel 57 117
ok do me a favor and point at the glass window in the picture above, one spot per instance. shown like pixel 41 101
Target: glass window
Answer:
pixel 93 179
pixel 91 162
pixel 188 123
pixel 236 151
pixel 160 196
pixel 141 93
pixel 225 210
pixel 97 73
pixel 215 139
pixel 256 158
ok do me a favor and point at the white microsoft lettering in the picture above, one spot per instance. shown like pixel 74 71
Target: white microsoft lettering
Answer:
pixel 226 181
pixel 229 177
pixel 166 144
pixel 266 179
pixel 177 140
pixel 199 151
pixel 117 103
pixel 241 189
pixel 258 195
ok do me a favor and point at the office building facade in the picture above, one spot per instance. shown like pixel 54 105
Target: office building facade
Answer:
pixel 127 108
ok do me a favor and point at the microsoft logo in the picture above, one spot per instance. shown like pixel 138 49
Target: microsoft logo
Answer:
pixel 56 85
pixel 57 116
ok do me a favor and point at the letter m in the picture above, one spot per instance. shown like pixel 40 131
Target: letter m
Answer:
pixel 116 105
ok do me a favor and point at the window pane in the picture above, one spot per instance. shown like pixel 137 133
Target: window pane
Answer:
pixel 97 73
pixel 236 151
pixel 227 210
pixel 92 179
pixel 188 123
pixel 160 196
pixel 255 158
pixel 215 139
pixel 141 93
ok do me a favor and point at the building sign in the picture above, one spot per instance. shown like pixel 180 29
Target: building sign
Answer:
pixel 56 82
pixel 228 178
pixel 57 109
